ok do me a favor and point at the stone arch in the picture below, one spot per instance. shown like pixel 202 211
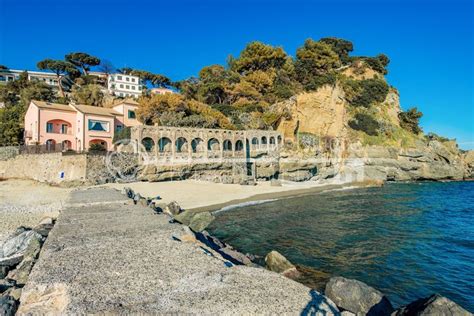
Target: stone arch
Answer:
pixel 264 140
pixel 254 143
pixel 227 145
pixel 164 144
pixel 50 144
pixel 98 141
pixel 213 144
pixel 197 145
pixel 181 145
pixel 66 144
pixel 239 145
pixel 279 140
pixel 148 143
pixel 272 140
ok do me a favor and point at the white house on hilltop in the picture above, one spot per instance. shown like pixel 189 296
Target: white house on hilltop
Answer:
pixel 121 85
pixel 49 78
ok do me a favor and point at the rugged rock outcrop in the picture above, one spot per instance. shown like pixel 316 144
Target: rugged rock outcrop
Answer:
pixel 432 305
pixel 357 297
pixel 431 161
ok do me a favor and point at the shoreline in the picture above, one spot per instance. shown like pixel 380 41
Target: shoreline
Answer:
pixel 204 196
pixel 272 196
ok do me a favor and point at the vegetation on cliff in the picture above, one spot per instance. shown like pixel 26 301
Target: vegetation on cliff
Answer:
pixel 244 94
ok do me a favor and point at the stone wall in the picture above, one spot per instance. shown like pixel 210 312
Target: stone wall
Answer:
pixel 53 168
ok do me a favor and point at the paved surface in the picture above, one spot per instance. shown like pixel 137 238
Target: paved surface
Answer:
pixel 108 255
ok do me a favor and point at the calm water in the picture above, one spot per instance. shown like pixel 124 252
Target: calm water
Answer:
pixel 407 240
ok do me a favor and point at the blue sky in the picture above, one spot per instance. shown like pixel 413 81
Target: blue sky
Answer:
pixel 430 43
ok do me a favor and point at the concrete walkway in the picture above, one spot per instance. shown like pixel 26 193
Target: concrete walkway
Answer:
pixel 106 255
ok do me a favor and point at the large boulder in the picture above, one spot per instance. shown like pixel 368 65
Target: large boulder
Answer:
pixel 435 305
pixel 185 217
pixel 357 297
pixel 200 221
pixel 22 271
pixel 14 248
pixel 172 208
pixel 276 262
pixel 8 305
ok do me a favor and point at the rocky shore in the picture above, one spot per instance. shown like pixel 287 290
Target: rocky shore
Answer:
pixel 114 252
pixel 352 297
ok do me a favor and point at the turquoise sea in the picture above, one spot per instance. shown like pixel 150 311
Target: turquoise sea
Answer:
pixel 408 240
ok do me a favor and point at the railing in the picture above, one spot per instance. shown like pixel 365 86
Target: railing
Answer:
pixel 42 149
pixel 68 132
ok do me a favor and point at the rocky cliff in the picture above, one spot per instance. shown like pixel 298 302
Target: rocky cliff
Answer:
pixel 320 143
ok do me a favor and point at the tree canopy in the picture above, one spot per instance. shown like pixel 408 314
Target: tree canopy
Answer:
pixel 83 61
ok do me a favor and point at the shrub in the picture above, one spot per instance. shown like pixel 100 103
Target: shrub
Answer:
pixel 366 123
pixel 96 148
pixel 125 133
pixel 410 120
pixel 378 63
pixel 365 92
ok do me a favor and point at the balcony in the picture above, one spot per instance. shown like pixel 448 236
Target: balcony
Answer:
pixel 64 132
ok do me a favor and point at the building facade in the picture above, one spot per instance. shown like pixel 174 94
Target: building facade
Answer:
pixel 122 85
pixel 49 78
pixel 75 127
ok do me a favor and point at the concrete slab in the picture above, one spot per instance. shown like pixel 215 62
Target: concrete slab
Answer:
pixel 122 258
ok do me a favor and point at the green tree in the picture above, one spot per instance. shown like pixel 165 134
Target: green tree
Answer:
pixel 315 64
pixel 410 120
pixel 60 68
pixel 10 127
pixel 83 61
pixel 258 56
pixel 378 63
pixel 90 94
pixel 341 47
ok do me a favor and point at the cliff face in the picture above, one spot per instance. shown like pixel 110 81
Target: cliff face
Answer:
pixel 354 156
pixel 321 113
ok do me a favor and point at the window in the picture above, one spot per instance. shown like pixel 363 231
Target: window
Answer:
pixel 64 129
pixel 49 127
pixel 119 128
pixel 139 87
pixel 112 85
pixel 100 126
pixel 131 114
pixel 133 87
pixel 128 79
pixel 121 85
pixel 119 77
pixel 127 86
pixel 133 79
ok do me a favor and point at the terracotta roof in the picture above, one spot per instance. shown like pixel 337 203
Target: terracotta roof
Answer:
pixel 53 106
pixel 127 101
pixel 88 109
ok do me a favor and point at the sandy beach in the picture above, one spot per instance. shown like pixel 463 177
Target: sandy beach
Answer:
pixel 26 202
pixel 208 196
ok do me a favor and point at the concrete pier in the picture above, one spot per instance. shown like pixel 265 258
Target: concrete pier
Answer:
pixel 106 255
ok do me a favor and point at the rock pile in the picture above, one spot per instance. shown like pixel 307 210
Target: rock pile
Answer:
pixel 353 297
pixel 18 254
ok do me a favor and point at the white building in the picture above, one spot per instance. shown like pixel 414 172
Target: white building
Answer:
pixel 121 85
pixel 49 78
pixel 161 91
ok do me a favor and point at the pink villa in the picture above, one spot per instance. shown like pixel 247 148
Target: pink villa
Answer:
pixel 77 126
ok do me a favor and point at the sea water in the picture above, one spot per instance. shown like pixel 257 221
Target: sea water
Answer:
pixel 407 240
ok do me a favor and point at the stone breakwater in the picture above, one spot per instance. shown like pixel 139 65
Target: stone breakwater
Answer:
pixel 18 254
pixel 351 297
pixel 108 253
pixel 112 252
